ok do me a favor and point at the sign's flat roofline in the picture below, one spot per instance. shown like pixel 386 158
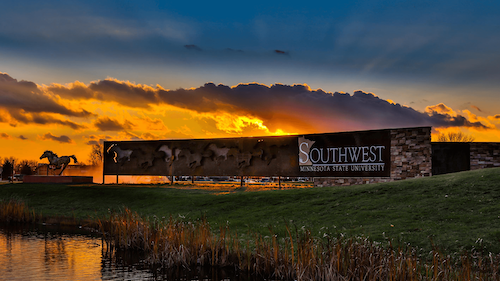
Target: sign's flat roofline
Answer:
pixel 274 136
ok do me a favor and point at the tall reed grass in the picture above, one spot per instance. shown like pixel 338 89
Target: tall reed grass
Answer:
pixel 298 256
pixel 15 210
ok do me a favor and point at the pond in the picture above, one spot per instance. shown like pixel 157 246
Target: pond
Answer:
pixel 38 252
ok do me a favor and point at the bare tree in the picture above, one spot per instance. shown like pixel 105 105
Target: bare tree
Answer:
pixel 455 137
pixel 96 155
pixel 26 167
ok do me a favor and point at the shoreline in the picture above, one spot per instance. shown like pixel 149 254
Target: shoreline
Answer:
pixel 454 210
pixel 171 244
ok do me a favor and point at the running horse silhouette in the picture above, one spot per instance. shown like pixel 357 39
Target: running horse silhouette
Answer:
pixel 56 161
pixel 119 154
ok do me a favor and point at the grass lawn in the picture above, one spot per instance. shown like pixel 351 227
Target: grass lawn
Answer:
pixel 455 211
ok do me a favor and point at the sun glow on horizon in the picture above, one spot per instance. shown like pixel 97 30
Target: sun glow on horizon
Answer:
pixel 241 124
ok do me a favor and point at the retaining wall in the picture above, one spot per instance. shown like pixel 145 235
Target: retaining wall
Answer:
pixel 484 155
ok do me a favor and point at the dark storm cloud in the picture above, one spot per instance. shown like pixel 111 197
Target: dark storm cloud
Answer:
pixel 231 50
pixel 280 52
pixel 26 103
pixel 28 97
pixel 22 137
pixel 61 139
pixel 125 93
pixel 308 109
pixel 109 124
pixel 291 108
pixel 76 91
pixel 200 99
pixel 193 47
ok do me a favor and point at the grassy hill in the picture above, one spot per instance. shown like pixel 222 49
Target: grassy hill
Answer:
pixel 455 211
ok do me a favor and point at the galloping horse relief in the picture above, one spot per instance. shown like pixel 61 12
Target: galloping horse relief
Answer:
pixel 169 153
pixel 193 159
pixel 120 155
pixel 177 156
pixel 58 162
pixel 218 152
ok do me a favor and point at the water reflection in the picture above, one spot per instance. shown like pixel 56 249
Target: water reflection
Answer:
pixel 30 256
pixel 44 253
pixel 31 253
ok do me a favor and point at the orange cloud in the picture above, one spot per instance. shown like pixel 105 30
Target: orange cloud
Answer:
pixel 440 108
pixel 61 139
pixel 42 119
pixel 177 135
pixel 4 136
pixel 149 123
pixel 75 90
pixel 446 117
pixel 241 125
pixel 149 136
pixel 108 124
pixel 4 116
pixel 476 108
pixel 474 118
pixel 97 139
pixel 494 117
pixel 153 136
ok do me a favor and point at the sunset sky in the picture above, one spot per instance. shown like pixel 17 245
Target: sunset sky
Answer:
pixel 75 73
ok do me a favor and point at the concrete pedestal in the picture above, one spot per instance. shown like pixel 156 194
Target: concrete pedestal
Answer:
pixel 57 179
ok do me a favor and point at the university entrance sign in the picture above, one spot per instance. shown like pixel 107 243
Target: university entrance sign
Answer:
pixel 351 154
pixel 345 154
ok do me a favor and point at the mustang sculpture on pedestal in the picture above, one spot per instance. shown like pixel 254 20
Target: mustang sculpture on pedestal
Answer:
pixel 58 162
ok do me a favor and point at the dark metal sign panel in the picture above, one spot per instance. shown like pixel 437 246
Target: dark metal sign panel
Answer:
pixel 333 155
pixel 450 157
